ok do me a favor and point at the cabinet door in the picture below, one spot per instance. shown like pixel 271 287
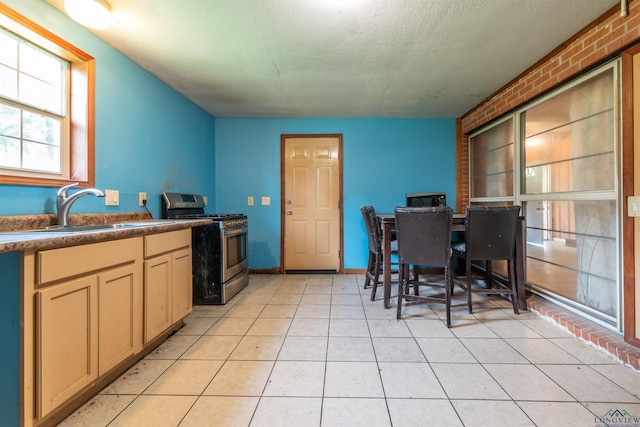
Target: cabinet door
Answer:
pixel 182 284
pixel 66 341
pixel 120 315
pixel 157 296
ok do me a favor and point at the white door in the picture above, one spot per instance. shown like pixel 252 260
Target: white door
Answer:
pixel 311 202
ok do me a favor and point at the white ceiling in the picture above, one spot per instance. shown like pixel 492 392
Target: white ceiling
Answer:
pixel 341 58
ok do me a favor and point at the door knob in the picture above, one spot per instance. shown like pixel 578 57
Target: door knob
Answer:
pixel 289 212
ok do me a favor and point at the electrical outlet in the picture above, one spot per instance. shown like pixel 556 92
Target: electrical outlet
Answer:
pixel 111 197
pixel 250 201
pixel 266 200
pixel 142 199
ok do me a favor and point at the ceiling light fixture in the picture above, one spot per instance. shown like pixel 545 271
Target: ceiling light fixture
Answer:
pixel 340 4
pixel 90 13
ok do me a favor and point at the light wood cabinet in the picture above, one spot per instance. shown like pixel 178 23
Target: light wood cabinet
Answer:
pixel 182 293
pixel 67 341
pixel 120 315
pixel 167 281
pixel 91 311
pixel 87 325
pixel 157 296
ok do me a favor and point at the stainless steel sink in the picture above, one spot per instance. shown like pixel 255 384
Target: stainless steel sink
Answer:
pixel 98 227
pixel 146 223
pixel 79 228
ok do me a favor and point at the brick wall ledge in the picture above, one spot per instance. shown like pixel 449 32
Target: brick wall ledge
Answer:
pixel 588 331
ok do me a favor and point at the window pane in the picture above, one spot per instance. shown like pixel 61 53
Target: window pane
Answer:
pixel 9 152
pixel 558 177
pixel 8 51
pixel 41 157
pixel 40 65
pixel 570 139
pixel 492 161
pixel 8 82
pixel 40 94
pixel 40 128
pixel 9 121
pixel 571 251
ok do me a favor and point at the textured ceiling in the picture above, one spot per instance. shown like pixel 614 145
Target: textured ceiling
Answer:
pixel 349 58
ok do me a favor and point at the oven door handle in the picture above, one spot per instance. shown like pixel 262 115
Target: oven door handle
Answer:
pixel 235 231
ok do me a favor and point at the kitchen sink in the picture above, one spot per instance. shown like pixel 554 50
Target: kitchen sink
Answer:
pixel 99 227
pixel 79 228
pixel 145 223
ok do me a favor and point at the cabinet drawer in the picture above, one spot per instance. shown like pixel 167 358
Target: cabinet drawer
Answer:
pixel 156 244
pixel 56 264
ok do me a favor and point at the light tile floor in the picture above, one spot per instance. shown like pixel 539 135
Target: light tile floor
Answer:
pixel 311 350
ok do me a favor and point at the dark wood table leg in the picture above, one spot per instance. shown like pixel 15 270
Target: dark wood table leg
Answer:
pixel 520 263
pixel 386 255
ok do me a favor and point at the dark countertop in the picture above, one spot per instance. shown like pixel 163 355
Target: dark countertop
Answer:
pixel 17 232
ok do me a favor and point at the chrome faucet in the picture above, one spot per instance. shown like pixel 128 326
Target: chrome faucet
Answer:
pixel 64 202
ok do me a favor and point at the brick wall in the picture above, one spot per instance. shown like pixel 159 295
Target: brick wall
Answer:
pixel 606 37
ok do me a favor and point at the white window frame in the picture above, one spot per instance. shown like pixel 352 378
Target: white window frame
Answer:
pixel 63 119
pixel 78 134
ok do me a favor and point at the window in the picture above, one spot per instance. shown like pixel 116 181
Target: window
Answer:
pixel 569 134
pixel 569 193
pixel 562 167
pixel 492 162
pixel 33 113
pixel 46 106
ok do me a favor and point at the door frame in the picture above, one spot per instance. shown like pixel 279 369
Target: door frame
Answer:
pixel 629 182
pixel 283 159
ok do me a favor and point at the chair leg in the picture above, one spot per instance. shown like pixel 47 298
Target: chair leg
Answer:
pixel 448 290
pixel 468 267
pixel 488 274
pixel 402 269
pixel 376 276
pixel 514 290
pixel 367 280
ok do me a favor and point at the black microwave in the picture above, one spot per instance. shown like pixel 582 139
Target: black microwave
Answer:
pixel 426 199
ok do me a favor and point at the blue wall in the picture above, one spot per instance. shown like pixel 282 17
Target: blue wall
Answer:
pixel 382 160
pixel 148 137
pixel 10 326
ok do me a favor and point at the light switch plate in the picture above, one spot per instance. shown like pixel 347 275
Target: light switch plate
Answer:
pixel 206 200
pixel 250 201
pixel 633 206
pixel 266 200
pixel 111 197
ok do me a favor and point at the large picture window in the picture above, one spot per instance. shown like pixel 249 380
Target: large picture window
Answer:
pixel 566 180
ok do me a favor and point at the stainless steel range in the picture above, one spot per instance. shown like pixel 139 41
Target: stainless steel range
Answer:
pixel 219 249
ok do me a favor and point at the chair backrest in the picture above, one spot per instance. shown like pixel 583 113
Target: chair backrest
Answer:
pixel 491 231
pixel 374 235
pixel 424 235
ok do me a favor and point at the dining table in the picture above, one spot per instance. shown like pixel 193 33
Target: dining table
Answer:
pixel 458 224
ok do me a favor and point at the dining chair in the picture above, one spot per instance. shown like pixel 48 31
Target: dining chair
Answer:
pixel 374 239
pixel 489 236
pixel 424 239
